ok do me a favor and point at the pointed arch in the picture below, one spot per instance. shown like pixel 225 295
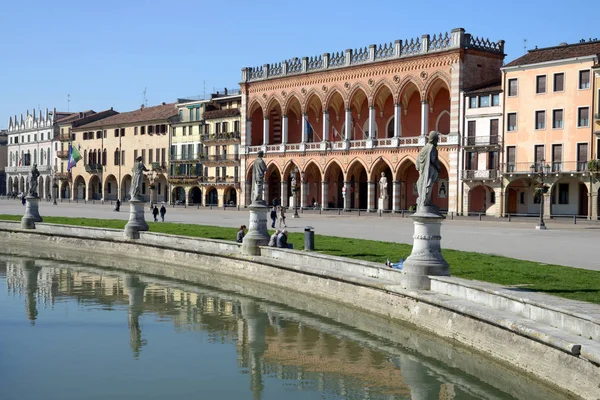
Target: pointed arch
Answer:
pixel 436 81
pixel 290 103
pixel 381 86
pixel 254 105
pixel 287 168
pixel 353 92
pixel 272 103
pixel 407 87
pixel 314 162
pixel 329 100
pixel 379 164
pixel 309 103
pixel 353 164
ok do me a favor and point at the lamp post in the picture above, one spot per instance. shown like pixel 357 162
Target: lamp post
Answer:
pixel 295 191
pixel 541 170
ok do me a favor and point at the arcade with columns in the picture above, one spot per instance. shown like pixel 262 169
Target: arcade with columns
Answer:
pixel 343 119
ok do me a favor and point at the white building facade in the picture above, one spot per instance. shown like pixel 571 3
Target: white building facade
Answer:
pixel 31 141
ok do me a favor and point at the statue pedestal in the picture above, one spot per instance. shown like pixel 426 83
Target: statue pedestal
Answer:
pixel 426 257
pixel 32 214
pixel 137 221
pixel 384 204
pixel 257 235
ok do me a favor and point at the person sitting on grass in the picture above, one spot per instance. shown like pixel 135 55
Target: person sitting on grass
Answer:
pixel 282 240
pixel 241 233
pixel 273 239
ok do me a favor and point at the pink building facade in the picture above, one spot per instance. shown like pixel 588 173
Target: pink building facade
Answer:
pixel 342 119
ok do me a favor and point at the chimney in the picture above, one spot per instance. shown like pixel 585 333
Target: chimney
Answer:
pixel 142 107
pixel 80 114
pixel 225 91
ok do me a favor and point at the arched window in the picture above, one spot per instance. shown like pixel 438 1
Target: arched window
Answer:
pixel 104 157
pixel 390 128
pixel 117 157
pixel 35 156
pixel 48 156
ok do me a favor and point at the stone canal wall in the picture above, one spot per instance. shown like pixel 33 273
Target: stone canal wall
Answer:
pixel 554 340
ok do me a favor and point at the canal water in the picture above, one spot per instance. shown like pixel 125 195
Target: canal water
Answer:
pixel 74 331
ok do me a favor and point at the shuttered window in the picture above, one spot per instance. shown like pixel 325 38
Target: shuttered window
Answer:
pixel 559 82
pixel 540 84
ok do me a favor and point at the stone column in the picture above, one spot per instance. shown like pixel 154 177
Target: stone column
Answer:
pixel 247 193
pixel 137 220
pixel 257 235
pixel 593 206
pixel 348 126
pixel 324 194
pixel 284 129
pixel 370 196
pixel 248 132
pixel 397 120
pixel 499 201
pixel 303 194
pixel 304 132
pixel 424 118
pixel 284 196
pixel 465 205
pixel 266 131
pixel 348 194
pixel 547 206
pixel 396 196
pixel 325 126
pixel 372 123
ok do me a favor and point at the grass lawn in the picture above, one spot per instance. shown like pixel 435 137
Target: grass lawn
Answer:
pixel 572 283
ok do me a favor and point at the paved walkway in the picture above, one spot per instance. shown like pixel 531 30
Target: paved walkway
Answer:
pixel 563 243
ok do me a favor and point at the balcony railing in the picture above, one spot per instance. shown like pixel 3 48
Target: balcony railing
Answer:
pixel 187 157
pixel 62 154
pixel 221 157
pixel 221 136
pixel 485 174
pixel 481 141
pixel 343 145
pixel 93 168
pixel 63 176
pixel 555 167
pixel 26 168
pixel 64 137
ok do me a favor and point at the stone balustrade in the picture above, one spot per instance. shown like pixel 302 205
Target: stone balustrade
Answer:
pixel 426 44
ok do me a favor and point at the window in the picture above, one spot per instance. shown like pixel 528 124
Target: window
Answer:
pixel 109 187
pixel 473 102
pixel 191 114
pixel 157 155
pixel 484 101
pixel 522 197
pixel 492 197
pixel 513 88
pixel 557 119
pixel 217 128
pixel 584 79
pixel 495 100
pixel 540 120
pixel 104 132
pixel 162 155
pixel 494 123
pixel 135 155
pixel 471 133
pixel 150 129
pixel 563 193
pixel 135 131
pixel 582 153
pixel 117 157
pixel 556 157
pixel 184 130
pixel 471 161
pixel 539 155
pixel 492 160
pixel 150 156
pixel 236 126
pixel 144 156
pixel 583 116
pixel 511 122
pixel 540 84
pixel 116 132
pixel 180 115
pixel 559 82
pixel 122 157
pixel 122 131
pixel 142 130
pixel 197 113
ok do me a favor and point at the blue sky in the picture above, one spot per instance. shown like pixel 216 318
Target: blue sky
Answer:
pixel 105 53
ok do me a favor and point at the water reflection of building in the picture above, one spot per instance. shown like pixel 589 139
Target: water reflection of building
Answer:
pixel 271 343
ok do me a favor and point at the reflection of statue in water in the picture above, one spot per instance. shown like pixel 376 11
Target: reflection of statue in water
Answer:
pixel 135 290
pixel 258 174
pixel 428 166
pixel 383 194
pixel 137 180
pixel 34 174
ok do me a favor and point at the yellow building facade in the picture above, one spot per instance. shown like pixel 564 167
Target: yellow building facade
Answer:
pixel 109 148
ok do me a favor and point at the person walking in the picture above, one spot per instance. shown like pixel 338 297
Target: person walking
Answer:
pixel 117 205
pixel 273 216
pixel 163 211
pixel 282 217
pixel 23 201
pixel 155 213
pixel 241 233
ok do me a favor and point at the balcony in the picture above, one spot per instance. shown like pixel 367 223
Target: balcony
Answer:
pixel 93 168
pixel 24 169
pixel 211 180
pixel 480 175
pixel 221 138
pixel 482 141
pixel 345 145
pixel 64 137
pixel 556 167
pixel 62 154
pixel 182 158
pixel 221 159
pixel 63 176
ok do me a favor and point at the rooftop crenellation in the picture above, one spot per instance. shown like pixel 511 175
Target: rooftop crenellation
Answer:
pixel 426 44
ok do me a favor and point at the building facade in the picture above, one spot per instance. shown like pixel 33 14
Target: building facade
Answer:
pixel 4 189
pixel 481 183
pixel 341 120
pixel 30 141
pixel 109 148
pixel 549 103
pixel 204 158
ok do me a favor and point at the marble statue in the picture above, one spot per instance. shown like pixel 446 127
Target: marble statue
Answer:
pixel 383 193
pixel 258 174
pixel 428 165
pixel 294 176
pixel 137 180
pixel 33 176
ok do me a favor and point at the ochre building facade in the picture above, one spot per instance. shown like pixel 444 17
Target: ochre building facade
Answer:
pixel 341 120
